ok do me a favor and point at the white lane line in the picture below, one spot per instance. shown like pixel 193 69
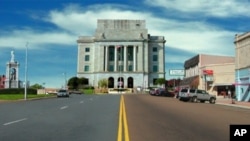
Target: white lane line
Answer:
pixel 8 123
pixel 82 102
pixel 64 107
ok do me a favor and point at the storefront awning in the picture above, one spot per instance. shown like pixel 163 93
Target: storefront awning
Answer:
pixel 241 83
pixel 221 84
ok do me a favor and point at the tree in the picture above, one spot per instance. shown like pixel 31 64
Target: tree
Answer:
pixel 160 81
pixel 36 86
pixel 73 83
pixel 103 83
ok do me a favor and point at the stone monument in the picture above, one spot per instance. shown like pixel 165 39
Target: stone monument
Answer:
pixel 12 71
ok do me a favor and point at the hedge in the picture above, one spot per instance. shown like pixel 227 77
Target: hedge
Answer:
pixel 18 91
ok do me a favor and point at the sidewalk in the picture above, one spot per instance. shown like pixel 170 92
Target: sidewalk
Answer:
pixel 228 102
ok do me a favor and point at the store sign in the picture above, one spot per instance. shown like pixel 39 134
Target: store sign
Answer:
pixel 208 72
pixel 178 72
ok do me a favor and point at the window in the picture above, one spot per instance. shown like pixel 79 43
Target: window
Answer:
pixel 87 49
pixel 154 49
pixel 86 57
pixel 130 68
pixel 111 68
pixel 111 53
pixel 155 68
pixel 120 68
pixel 130 53
pixel 155 58
pixel 86 68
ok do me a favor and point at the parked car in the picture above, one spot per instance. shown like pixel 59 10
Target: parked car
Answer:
pixel 62 93
pixel 196 95
pixel 158 92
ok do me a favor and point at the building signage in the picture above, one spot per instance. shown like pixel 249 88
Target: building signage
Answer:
pixel 179 72
pixel 208 72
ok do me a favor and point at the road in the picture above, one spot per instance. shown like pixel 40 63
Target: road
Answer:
pixel 78 118
pixel 96 117
pixel 152 118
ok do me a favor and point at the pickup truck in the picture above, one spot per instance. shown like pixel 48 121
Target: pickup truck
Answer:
pixel 196 95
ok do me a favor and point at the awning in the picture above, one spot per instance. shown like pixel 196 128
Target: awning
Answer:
pixel 221 84
pixel 241 84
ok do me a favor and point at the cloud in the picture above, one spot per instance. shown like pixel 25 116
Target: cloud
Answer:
pixel 214 8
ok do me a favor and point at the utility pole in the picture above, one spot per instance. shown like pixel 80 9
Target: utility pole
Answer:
pixel 26 62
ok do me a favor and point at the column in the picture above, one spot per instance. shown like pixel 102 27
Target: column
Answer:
pixel 115 62
pixel 134 58
pixel 106 58
pixel 125 58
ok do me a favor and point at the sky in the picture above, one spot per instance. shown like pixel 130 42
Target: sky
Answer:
pixel 48 30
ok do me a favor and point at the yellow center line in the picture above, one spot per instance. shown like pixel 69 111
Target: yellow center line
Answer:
pixel 123 125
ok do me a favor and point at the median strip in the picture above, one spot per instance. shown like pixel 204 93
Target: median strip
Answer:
pixel 123 134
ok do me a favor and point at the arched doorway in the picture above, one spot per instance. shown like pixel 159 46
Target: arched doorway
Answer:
pixel 111 82
pixel 120 82
pixel 130 82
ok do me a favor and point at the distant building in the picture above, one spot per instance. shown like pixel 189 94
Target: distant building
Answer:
pixel 242 66
pixel 2 81
pixel 212 73
pixel 122 52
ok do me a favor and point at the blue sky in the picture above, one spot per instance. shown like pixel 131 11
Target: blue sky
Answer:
pixel 51 28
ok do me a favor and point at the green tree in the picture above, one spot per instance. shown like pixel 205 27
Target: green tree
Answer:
pixel 36 86
pixel 73 83
pixel 103 83
pixel 160 81
pixel 82 81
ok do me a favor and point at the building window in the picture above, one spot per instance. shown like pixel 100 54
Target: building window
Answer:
pixel 86 57
pixel 154 49
pixel 155 58
pixel 111 53
pixel 155 68
pixel 154 81
pixel 111 68
pixel 87 49
pixel 86 68
pixel 120 68
pixel 130 68
pixel 130 53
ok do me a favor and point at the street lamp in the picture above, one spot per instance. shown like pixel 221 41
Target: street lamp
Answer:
pixel 25 73
pixel 65 75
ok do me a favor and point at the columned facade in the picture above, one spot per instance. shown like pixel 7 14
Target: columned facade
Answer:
pixel 121 52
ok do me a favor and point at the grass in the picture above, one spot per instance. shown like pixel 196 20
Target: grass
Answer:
pixel 88 91
pixel 21 96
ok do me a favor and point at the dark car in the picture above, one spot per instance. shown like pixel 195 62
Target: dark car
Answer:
pixel 159 92
pixel 62 93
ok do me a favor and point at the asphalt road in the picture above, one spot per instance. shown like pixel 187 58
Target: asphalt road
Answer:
pixel 153 118
pixel 95 118
pixel 78 118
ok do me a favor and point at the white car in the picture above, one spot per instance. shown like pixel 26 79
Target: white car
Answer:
pixel 62 93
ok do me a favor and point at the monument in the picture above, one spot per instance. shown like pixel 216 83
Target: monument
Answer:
pixel 12 71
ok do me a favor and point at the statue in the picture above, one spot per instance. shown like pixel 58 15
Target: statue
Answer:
pixel 13 74
pixel 12 59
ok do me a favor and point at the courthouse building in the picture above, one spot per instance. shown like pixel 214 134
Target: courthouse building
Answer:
pixel 122 52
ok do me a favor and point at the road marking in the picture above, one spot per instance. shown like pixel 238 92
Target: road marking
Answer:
pixel 82 102
pixel 122 125
pixel 64 107
pixel 16 121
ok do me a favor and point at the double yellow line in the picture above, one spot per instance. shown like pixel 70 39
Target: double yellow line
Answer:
pixel 123 134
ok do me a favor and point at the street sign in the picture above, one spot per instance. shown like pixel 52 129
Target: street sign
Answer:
pixel 179 72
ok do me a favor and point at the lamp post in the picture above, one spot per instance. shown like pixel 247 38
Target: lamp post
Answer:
pixel 25 73
pixel 65 79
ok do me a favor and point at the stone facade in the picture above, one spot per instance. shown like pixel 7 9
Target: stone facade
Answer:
pixel 242 66
pixel 122 52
